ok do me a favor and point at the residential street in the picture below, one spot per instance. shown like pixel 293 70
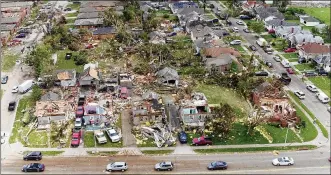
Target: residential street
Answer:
pixel 306 162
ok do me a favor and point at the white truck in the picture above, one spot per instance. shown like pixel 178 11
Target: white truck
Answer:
pixel 285 64
pixel 24 87
pixel 261 42
pixel 98 134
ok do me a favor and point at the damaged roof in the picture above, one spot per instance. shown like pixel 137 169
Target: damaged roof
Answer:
pixel 91 72
pixel 50 96
pixel 167 74
pixel 65 74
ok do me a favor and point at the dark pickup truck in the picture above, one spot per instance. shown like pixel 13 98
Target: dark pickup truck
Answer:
pixel 285 78
pixel 202 141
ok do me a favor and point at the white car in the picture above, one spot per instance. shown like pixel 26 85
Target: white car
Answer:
pixel 113 135
pixel 15 89
pixel 300 94
pixel 240 23
pixel 117 166
pixel 329 109
pixel 276 58
pixel 235 29
pixel 98 134
pixel 312 88
pixel 283 161
pixel 78 123
pixel 235 42
pixel 3 137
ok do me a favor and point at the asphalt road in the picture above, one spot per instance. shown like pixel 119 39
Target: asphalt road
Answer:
pixel 306 162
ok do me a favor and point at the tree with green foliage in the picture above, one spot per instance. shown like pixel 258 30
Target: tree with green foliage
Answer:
pixel 256 118
pixel 36 93
pixel 314 31
pixel 41 60
pixel 234 67
pixel 256 26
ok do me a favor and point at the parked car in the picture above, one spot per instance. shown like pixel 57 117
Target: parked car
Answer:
pixel 322 72
pixel 21 35
pixel 290 70
pixel 3 135
pixel 285 79
pixel 217 165
pixel 253 48
pixel 226 33
pixel 33 167
pixel 235 29
pixel 35 155
pixel 300 94
pixel 228 22
pixel 289 50
pixel 246 30
pixel 80 111
pixel 117 166
pixel 11 106
pixel 81 100
pixel 269 64
pixel 242 17
pixel 98 134
pixel 261 73
pixel 202 141
pixel 240 23
pixel 302 60
pixel 322 97
pixel 268 49
pixel 75 138
pixel 283 161
pixel 78 123
pixel 182 137
pixel 311 87
pixel 277 58
pixel 68 56
pixel 310 74
pixel 235 42
pixel 329 109
pixel 113 135
pixel 67 9
pixel 168 166
pixel 4 79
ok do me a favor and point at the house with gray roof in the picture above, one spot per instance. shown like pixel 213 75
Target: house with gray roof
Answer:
pixel 8 27
pixel 200 32
pixel 95 22
pixel 85 4
pixel 309 21
pixel 168 77
pixel 89 15
pixel 267 13
pixel 16 4
pixel 284 31
pixel 10 20
pixel 219 64
pixel 304 37
pixel 91 9
pixel 323 61
pixel 272 24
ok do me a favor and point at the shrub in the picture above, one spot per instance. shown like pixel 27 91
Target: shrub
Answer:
pixel 166 16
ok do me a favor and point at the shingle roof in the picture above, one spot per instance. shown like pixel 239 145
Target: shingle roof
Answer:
pixel 88 22
pixel 7 27
pixel 187 10
pixel 217 51
pixel 89 15
pixel 310 19
pixel 92 9
pixel 10 20
pixel 97 4
pixel 167 74
pixel 201 31
pixel 220 60
pixel 315 48
pixel 279 22
pixel 16 4
pixel 104 30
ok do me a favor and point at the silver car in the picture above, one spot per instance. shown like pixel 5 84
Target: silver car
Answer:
pixel 168 166
pixel 117 166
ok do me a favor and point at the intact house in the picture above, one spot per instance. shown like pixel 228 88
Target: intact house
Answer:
pixel 311 50
pixel 309 21
pixel 220 59
pixel 89 77
pixel 177 6
pixel 101 33
pixel 274 104
pixel 267 13
pixel 272 24
pixel 88 23
pixel 66 78
pixel 194 111
pixel 201 32
pixel 89 15
pixel 168 77
pixel 187 13
pixel 284 31
pixel 303 37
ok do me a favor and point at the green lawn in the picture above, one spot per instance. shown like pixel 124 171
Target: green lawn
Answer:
pixel 72 14
pixel 290 55
pixel 307 28
pixel 157 152
pixel 320 13
pixel 103 153
pixel 147 143
pixel 239 48
pixel 217 94
pixel 74 6
pixel 323 83
pixel 238 136
pixel 89 141
pixel 47 153
pixel 308 133
pixel 255 149
pixel 279 134
pixel 304 67
pixel 8 61
pixel 62 63
pixel 323 129
pixel 70 20
pixel 293 21
pixel 268 38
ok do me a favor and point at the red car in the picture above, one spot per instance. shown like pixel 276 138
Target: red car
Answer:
pixel 288 50
pixel 75 139
pixel 202 141
pixel 80 111
pixel 290 70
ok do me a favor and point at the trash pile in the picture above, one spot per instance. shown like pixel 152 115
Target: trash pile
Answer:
pixel 162 136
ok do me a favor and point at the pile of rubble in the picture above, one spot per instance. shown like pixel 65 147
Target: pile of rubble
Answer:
pixel 162 135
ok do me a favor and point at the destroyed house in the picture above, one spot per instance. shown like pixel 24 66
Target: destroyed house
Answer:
pixel 274 104
pixel 90 76
pixel 194 111
pixel 66 77
pixel 147 111
pixel 125 80
pixel 168 77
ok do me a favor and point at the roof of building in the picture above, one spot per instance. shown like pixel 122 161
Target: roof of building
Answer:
pixel 167 74
pixel 97 4
pixel 7 27
pixel 187 10
pixel 91 72
pixel 309 19
pixel 201 31
pixel 217 51
pixel 223 59
pixel 92 9
pixel 315 48
pixel 88 22
pixel 322 59
pixel 16 4
pixel 10 20
pixel 89 15
pixel 265 12
pixel 279 22
pixel 104 30
pixel 65 74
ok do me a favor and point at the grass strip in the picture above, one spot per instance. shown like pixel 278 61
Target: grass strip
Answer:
pixel 102 153
pixel 151 152
pixel 255 149
pixel 47 153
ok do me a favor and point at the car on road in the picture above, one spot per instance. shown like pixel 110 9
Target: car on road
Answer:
pixel 117 166
pixel 310 74
pixel 217 165
pixel 289 50
pixel 113 135
pixel 202 141
pixel 80 111
pixel 182 137
pixel 269 64
pixel 228 22
pixel 246 30
pixel 35 155
pixel 253 48
pixel 244 17
pixel 283 161
pixel 240 23
pixel 164 166
pixel 33 167
pixel 268 50
pixel 277 58
pixel 261 73
pixel 290 70
pixel 322 97
pixel 329 109
pixel 235 29
pixel 300 94
pixel 235 42
pixel 302 60
pixel 98 134
pixel 11 106
pixel 311 88
pixel 78 123
pixel 4 79
pixel 21 35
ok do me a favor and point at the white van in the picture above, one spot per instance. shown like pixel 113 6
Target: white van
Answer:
pixel 261 42
pixel 322 97
pixel 285 63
